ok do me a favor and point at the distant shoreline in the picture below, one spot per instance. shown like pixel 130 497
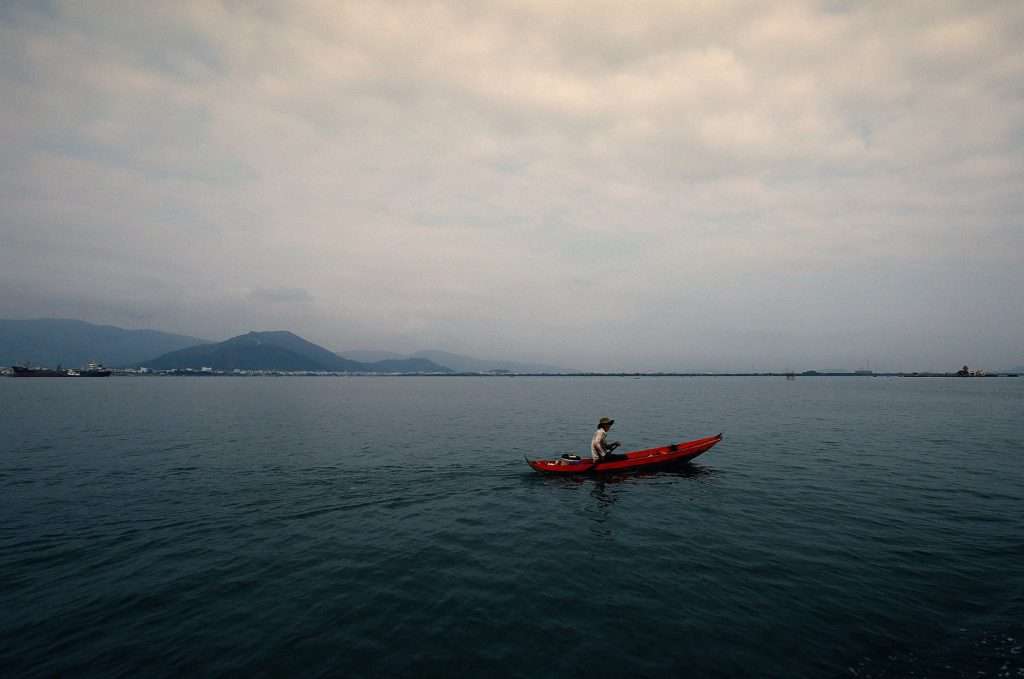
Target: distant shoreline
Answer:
pixel 787 375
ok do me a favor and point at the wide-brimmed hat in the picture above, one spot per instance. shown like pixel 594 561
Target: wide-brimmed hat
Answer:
pixel 606 420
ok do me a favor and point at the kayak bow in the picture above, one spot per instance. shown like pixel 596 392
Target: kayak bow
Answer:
pixel 637 459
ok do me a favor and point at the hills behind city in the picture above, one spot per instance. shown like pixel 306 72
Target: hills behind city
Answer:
pixel 72 343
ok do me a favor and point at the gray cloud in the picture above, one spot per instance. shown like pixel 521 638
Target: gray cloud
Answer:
pixel 639 187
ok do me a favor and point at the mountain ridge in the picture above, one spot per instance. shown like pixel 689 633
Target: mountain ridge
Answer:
pixel 279 350
pixel 71 342
pixel 458 362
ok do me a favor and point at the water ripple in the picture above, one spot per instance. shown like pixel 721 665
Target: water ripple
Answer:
pixel 843 528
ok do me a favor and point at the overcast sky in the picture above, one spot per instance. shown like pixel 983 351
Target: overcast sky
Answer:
pixel 598 185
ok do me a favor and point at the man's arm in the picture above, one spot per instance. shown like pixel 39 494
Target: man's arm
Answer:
pixel 605 446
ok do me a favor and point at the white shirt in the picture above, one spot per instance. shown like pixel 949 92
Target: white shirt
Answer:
pixel 597 446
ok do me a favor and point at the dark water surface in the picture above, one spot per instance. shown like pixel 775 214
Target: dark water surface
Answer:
pixel 389 527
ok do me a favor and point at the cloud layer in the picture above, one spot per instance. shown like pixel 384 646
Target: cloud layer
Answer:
pixel 802 185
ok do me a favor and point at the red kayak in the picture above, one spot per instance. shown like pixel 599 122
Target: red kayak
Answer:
pixel 637 459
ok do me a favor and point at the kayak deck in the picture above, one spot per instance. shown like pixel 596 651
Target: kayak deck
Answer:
pixel 677 452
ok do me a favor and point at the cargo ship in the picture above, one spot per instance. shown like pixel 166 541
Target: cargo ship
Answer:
pixel 94 369
pixel 25 371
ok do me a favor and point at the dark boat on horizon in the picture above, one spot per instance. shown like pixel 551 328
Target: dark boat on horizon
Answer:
pixel 25 371
pixel 94 369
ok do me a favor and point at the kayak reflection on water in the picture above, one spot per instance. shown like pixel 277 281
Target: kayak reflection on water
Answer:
pixel 601 511
pixel 683 470
pixel 606 489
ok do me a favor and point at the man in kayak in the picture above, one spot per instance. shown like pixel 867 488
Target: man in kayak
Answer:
pixel 600 449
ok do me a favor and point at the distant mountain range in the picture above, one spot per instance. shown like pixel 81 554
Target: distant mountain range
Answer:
pixel 280 350
pixel 457 362
pixel 72 343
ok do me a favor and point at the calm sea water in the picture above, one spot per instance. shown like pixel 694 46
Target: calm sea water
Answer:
pixel 389 527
